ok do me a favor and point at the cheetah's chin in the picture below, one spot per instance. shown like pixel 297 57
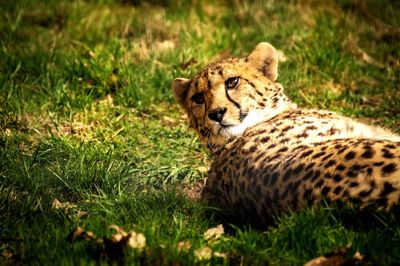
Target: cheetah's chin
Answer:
pixel 250 120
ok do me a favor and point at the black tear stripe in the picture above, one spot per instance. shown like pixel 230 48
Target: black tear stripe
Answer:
pixel 205 113
pixel 242 115
pixel 232 101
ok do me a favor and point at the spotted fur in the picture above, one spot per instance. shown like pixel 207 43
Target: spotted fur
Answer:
pixel 270 156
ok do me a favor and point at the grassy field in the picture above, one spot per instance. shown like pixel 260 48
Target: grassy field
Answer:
pixel 91 136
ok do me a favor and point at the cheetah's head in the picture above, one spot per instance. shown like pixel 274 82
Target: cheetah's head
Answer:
pixel 226 98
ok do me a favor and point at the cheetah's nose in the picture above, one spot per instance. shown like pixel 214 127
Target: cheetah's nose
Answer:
pixel 217 114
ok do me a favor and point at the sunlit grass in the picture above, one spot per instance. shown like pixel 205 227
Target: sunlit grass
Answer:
pixel 87 117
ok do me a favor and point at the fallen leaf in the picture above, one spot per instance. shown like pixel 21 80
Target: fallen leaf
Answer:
pixel 113 248
pixel 7 254
pixel 119 235
pixel 80 233
pixel 62 205
pixel 220 255
pixel 214 233
pixel 183 245
pixel 136 240
pixel 336 258
pixel 203 253
pixel 82 214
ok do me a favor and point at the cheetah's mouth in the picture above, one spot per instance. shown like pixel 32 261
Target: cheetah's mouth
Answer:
pixel 224 126
pixel 227 129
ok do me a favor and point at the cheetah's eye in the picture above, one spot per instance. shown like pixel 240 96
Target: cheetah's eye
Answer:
pixel 231 83
pixel 198 98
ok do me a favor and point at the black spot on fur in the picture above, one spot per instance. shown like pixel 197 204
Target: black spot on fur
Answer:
pixel 350 155
pixel 308 175
pixel 390 146
pixel 338 146
pixel 298 169
pixel 316 175
pixel 327 157
pixel 369 170
pixel 287 174
pixel 274 178
pixel 379 163
pixel 353 184
pixel 387 154
pixel 325 190
pixel 286 128
pixel 302 135
pixel 341 150
pixel 311 165
pixel 318 155
pixel 337 190
pixel 351 174
pixel 259 156
pixel 301 147
pixel 337 178
pixel 311 127
pixel 389 168
pixel 368 154
pixel 365 193
pixel 276 156
pixel 271 146
pixel 306 153
pixel 307 194
pixel 340 167
pixel 265 139
pixel 283 149
pixel 319 183
pixel 296 186
pixel 253 149
pixel 387 189
pixel 356 167
pixel 330 163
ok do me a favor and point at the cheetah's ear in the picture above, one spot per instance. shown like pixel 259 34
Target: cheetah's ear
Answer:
pixel 265 58
pixel 180 88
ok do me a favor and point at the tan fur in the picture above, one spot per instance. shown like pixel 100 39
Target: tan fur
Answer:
pixel 270 156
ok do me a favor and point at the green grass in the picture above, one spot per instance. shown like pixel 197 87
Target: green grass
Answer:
pixel 88 118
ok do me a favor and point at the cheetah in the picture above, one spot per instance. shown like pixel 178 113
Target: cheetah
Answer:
pixel 270 156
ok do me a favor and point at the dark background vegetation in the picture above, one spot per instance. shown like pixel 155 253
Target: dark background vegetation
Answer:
pixel 91 136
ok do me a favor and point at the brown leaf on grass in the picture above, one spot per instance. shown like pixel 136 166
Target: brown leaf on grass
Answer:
pixel 220 255
pixel 7 254
pixel 119 235
pixel 136 240
pixel 80 234
pixel 336 258
pixel 81 214
pixel 204 253
pixel 113 248
pixel 183 245
pixel 62 205
pixel 214 233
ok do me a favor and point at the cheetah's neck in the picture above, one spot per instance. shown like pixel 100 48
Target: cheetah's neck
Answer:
pixel 258 116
